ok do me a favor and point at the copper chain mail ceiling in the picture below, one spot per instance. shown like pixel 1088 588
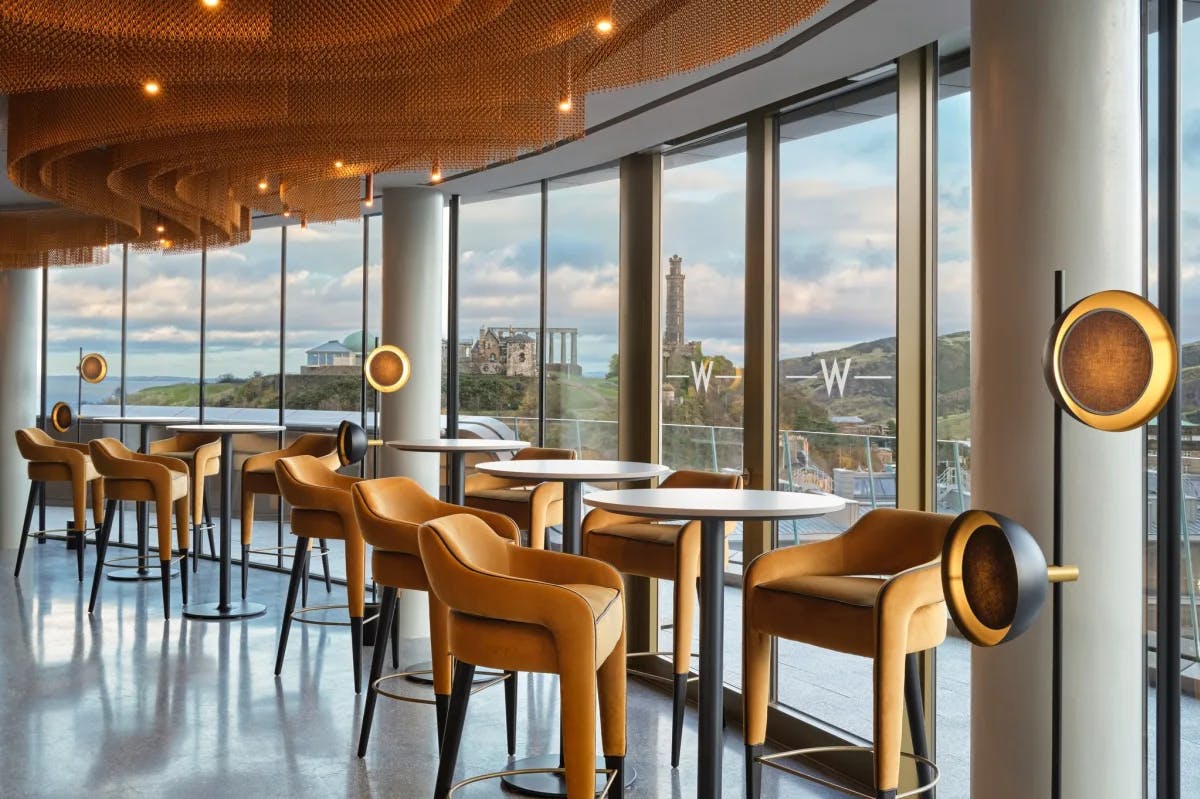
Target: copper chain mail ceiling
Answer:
pixel 284 105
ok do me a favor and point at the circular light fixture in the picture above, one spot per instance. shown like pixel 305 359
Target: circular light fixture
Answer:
pixel 151 87
pixel 604 25
pixel 387 368
pixel 351 443
pixel 93 367
pixel 338 164
pixel 995 577
pixel 1111 361
pixel 61 417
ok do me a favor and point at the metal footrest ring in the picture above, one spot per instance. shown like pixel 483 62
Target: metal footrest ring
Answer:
pixel 417 672
pixel 495 775
pixel 692 676
pixel 769 760
pixel 289 551
pixel 139 558
pixel 297 616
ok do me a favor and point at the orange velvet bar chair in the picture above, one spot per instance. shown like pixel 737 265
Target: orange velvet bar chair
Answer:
pixel 519 609
pixel 53 461
pixel 390 512
pixel 665 551
pixel 874 591
pixel 202 454
pixel 133 477
pixel 258 477
pixel 321 508
pixel 532 505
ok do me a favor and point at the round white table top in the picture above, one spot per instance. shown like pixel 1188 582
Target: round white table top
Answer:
pixel 227 428
pixel 714 503
pixel 457 444
pixel 573 470
pixel 140 419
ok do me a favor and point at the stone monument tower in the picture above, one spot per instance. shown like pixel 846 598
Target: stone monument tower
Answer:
pixel 674 340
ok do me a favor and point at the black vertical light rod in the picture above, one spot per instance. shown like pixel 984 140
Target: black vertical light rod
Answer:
pixel 1170 486
pixel 79 396
pixel 362 378
pixel 45 343
pixel 452 323
pixel 1056 657
pixel 124 325
pixel 282 364
pixel 542 350
pixel 203 320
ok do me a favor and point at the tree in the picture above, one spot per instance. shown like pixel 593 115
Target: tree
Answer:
pixel 614 366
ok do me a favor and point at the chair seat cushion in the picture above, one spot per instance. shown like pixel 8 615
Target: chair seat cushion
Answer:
pixel 644 532
pixel 855 591
pixel 519 494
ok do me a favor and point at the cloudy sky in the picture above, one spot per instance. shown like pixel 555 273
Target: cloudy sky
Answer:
pixel 837 261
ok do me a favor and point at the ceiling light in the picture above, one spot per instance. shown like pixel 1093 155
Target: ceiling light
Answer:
pixel 160 228
pixel 210 3
pixel 304 221
pixel 369 190
pixel 263 185
pixel 435 174
pixel 287 211
pixel 604 25
pixel 564 104
pixel 338 165
pixel 151 87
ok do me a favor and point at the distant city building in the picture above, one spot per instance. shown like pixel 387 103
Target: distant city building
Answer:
pixel 332 357
pixel 513 351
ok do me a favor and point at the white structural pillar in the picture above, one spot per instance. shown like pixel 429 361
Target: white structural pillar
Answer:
pixel 1056 159
pixel 19 330
pixel 412 305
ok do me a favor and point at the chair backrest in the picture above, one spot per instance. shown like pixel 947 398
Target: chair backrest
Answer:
pixel 318 445
pixel 108 455
pixel 888 541
pixel 459 552
pixel 545 454
pixel 301 473
pixel 185 442
pixel 388 506
pixel 685 478
pixel 30 440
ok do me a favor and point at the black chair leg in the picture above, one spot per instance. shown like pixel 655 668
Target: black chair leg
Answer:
pixel 183 574
pixel 198 539
pixel 441 706
pixel 29 506
pixel 679 702
pixel 212 547
pixel 305 556
pixel 356 635
pixel 164 567
pixel 101 550
pixel 616 763
pixel 387 609
pixel 510 710
pixel 914 704
pixel 245 567
pixel 290 604
pixel 77 535
pixel 753 771
pixel 460 695
pixel 396 634
pixel 325 565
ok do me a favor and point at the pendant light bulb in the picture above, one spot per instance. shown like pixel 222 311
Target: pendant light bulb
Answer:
pixel 564 104
pixel 369 190
pixel 263 185
pixel 435 174
pixel 151 88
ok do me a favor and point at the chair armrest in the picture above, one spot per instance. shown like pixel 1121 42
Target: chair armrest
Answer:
pixel 486 482
pixel 546 493
pixel 173 464
pixel 77 446
pixel 502 525
pixel 819 558
pixel 598 518
pixel 545 565
pixel 912 589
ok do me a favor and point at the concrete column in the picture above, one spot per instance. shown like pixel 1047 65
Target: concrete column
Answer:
pixel 1055 167
pixel 412 304
pixel 20 326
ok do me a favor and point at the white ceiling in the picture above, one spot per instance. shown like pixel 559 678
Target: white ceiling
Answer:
pixel 846 38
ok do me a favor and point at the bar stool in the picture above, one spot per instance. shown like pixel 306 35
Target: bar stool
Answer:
pixel 321 508
pixel 133 477
pixel 666 551
pixel 202 454
pixel 874 591
pixel 52 461
pixel 258 477
pixel 532 505
pixel 518 609
pixel 390 512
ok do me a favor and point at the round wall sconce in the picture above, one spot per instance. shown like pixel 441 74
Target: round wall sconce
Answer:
pixel 995 577
pixel 61 417
pixel 1110 361
pixel 387 368
pixel 93 367
pixel 351 443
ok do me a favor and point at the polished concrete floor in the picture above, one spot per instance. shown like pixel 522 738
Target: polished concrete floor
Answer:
pixel 126 704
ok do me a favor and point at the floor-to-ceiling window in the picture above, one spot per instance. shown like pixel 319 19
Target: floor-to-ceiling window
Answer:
pixel 581 314
pixel 163 331
pixel 703 329
pixel 837 348
pixel 499 290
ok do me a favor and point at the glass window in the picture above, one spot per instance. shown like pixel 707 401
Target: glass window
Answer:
pixel 837 349
pixel 703 329
pixel 953 407
pixel 581 315
pixel 499 287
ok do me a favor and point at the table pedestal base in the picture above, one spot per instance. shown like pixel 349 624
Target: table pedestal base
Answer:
pixel 554 785
pixel 212 611
pixel 138 575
